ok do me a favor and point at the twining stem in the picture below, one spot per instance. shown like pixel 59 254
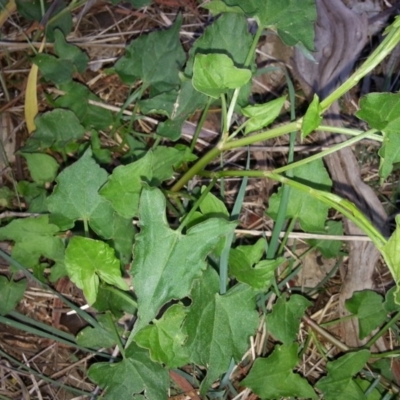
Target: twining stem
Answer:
pixel 324 153
pixel 260 137
pixel 348 131
pixel 387 45
pixel 196 169
pixel 383 50
pixel 213 153
pixel 223 146
pixel 345 207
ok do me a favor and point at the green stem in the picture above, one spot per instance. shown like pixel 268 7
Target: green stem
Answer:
pixel 131 98
pixel 231 109
pixel 42 8
pixel 350 132
pixel 225 124
pixel 260 137
pixel 256 38
pixel 216 151
pixel 249 58
pixel 196 168
pixel 156 142
pixel 201 123
pixel 287 233
pixel 196 205
pixel 337 321
pixel 386 354
pixel 86 227
pixel 115 334
pixel 384 49
pixel 324 153
pixel 381 331
pixel 347 208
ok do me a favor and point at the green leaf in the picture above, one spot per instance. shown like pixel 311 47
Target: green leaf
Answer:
pixel 95 338
pixel 43 168
pixel 62 222
pixel 254 252
pixel 124 186
pixel 171 128
pixel 87 261
pixel 11 293
pixel 35 195
pixel 273 377
pixel 312 118
pixel 261 115
pixel 212 206
pixel 135 374
pixel 384 367
pixel 368 307
pixel 218 6
pixel 311 212
pixel 69 52
pixel 122 237
pixel 188 100
pixel 366 386
pixel 228 34
pixel 6 197
pixel 101 155
pixel 165 338
pixel 55 128
pixel 250 7
pixel 34 238
pixel 61 20
pixel 284 320
pixel 54 69
pixel 219 327
pixel 381 111
pixel 329 248
pixel 76 195
pixel 162 104
pixel 241 265
pixel 390 304
pixel 76 99
pixel 112 299
pixel 31 10
pixel 294 19
pixel 165 261
pixel 214 74
pixel 155 58
pixel 391 254
pixel 338 384
pixel 258 276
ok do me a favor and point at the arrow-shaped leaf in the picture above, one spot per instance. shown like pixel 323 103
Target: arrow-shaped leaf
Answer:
pixel 165 261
